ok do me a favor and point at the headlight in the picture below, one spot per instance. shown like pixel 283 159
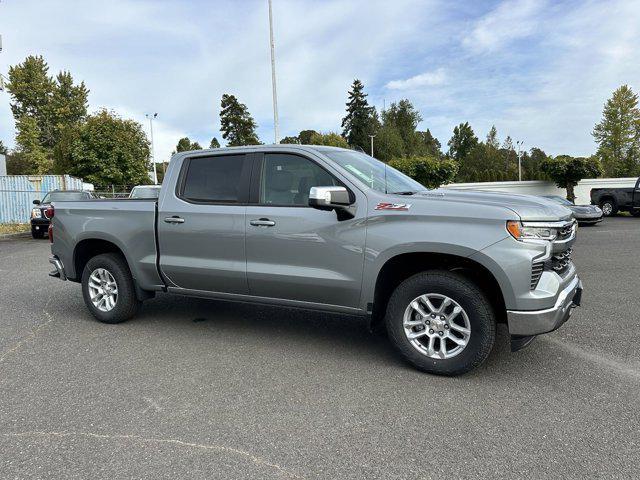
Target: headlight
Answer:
pixel 531 231
pixel 35 213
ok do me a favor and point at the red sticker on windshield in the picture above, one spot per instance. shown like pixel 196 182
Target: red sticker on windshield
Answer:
pixel 401 207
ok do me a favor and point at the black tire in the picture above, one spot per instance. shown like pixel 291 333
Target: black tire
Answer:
pixel 609 207
pixel 127 304
pixel 635 213
pixel 38 234
pixel 463 291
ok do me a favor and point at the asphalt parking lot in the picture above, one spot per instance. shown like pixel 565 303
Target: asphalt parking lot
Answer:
pixel 203 389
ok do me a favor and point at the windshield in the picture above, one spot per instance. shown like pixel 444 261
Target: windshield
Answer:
pixel 371 172
pixel 560 200
pixel 64 196
pixel 145 192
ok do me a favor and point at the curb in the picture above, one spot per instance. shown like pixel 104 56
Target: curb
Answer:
pixel 7 236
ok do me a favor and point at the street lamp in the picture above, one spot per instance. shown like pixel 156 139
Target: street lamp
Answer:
pixel 519 144
pixel 276 133
pixel 371 137
pixel 153 156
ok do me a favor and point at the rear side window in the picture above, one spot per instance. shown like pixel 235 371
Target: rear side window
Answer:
pixel 214 179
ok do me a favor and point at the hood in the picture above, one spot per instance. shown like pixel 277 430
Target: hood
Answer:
pixel 527 207
pixel 585 209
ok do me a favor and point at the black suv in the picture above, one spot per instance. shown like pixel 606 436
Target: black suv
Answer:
pixel 40 220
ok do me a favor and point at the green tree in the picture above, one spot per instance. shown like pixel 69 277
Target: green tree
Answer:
pixel 388 144
pixel 429 171
pixel 618 134
pixel 567 171
pixel 404 118
pixel 28 146
pixel 3 149
pixel 428 144
pixel 186 145
pixel 305 136
pixel 214 143
pixel 237 125
pixel 360 120
pixel 462 142
pixel 290 140
pixel 110 150
pixel 492 138
pixel 68 105
pixel 330 139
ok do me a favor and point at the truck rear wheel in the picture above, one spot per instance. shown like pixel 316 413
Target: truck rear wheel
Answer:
pixel 608 207
pixel 108 288
pixel 441 323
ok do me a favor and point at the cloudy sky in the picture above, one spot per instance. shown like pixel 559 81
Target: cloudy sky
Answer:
pixel 539 70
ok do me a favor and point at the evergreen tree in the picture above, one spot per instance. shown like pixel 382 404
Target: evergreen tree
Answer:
pixel 237 125
pixel 214 143
pixel 360 120
pixel 3 149
pixel 429 145
pixel 388 144
pixel 492 138
pixel 186 145
pixel 618 134
pixel 462 142
pixel 29 147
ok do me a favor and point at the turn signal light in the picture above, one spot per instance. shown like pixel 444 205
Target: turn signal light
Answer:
pixel 515 229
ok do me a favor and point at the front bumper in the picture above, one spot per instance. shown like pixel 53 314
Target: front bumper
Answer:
pixel 535 322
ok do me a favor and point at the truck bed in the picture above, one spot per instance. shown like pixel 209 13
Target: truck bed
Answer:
pixel 130 224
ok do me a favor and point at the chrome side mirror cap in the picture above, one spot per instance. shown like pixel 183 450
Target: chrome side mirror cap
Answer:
pixel 332 198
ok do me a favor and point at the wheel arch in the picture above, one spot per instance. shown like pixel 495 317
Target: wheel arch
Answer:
pixel 402 266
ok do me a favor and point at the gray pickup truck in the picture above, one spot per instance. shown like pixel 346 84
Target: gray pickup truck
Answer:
pixel 331 229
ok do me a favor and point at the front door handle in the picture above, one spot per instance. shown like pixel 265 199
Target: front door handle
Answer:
pixel 174 220
pixel 262 222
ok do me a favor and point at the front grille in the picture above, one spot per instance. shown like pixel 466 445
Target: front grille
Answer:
pixel 560 262
pixel 566 231
pixel 536 272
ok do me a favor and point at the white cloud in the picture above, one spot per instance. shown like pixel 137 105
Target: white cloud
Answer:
pixel 510 20
pixel 427 79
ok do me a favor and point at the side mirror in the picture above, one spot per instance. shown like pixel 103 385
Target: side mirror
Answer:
pixel 332 198
pixel 328 198
pixel 36 202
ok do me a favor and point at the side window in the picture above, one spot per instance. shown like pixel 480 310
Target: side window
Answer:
pixel 286 179
pixel 214 179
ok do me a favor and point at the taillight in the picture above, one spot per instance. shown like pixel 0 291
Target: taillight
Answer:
pixel 49 212
pixel 50 233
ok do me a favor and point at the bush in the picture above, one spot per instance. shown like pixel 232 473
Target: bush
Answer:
pixel 429 171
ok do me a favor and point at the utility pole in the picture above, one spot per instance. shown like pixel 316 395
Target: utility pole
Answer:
pixel 276 133
pixel 519 143
pixel 371 137
pixel 153 155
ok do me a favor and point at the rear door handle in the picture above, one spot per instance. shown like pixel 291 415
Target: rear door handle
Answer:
pixel 263 222
pixel 174 220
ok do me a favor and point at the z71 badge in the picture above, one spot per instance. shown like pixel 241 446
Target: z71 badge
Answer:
pixel 401 207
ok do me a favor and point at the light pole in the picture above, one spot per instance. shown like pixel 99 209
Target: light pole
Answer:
pixel 276 133
pixel 153 155
pixel 519 143
pixel 371 137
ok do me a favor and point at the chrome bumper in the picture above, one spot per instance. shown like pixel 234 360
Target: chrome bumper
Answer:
pixel 59 271
pixel 535 322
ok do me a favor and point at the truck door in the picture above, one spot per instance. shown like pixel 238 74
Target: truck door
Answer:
pixel 201 224
pixel 296 252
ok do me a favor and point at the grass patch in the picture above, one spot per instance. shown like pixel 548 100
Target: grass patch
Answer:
pixel 14 228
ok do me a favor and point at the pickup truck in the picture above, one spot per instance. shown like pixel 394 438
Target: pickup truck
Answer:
pixel 325 228
pixel 614 200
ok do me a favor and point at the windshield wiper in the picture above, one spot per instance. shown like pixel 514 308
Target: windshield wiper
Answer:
pixel 408 192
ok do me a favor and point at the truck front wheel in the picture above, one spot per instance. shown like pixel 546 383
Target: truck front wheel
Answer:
pixel 441 323
pixel 108 289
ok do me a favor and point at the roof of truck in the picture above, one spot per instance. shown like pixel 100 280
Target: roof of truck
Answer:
pixel 280 146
